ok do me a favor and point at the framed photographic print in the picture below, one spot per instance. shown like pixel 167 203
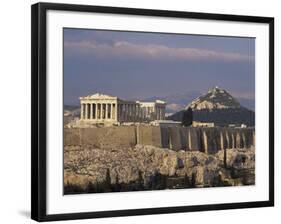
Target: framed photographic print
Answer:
pixel 139 111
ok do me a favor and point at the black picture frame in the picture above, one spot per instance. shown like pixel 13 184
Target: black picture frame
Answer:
pixel 38 108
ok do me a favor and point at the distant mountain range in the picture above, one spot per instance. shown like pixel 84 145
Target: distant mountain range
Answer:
pixel 70 113
pixel 177 102
pixel 218 106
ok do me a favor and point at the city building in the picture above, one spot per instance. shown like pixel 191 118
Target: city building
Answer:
pixel 165 123
pixel 203 124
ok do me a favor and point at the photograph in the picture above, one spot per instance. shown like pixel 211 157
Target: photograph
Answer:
pixel 147 111
pixel 138 112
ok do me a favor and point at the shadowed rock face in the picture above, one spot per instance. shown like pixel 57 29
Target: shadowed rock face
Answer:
pixel 221 117
pixel 88 169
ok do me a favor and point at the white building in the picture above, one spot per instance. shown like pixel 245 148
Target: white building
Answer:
pixel 166 123
pixel 100 108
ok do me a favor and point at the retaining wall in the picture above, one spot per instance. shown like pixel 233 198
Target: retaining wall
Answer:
pixel 105 137
pixel 208 140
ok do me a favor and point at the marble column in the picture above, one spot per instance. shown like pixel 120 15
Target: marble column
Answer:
pixel 86 111
pixel 109 105
pixel 103 111
pixel 115 111
pixel 137 112
pixel 94 111
pixel 140 113
pixel 111 111
pixel 82 111
pixel 106 111
pixel 130 112
pixel 126 112
pixel 122 112
pixel 100 117
pixel 146 112
pixel 133 112
pixel 91 110
pixel 99 111
pixel 139 108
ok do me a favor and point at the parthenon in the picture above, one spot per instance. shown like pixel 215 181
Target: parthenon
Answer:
pixel 100 108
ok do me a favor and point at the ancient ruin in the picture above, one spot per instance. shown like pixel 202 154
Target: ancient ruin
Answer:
pixel 100 108
pixel 119 145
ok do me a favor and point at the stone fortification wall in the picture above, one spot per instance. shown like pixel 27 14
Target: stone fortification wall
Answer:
pixel 208 140
pixel 104 137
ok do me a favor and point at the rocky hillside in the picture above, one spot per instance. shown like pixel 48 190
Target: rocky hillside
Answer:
pixel 216 98
pixel 93 170
pixel 218 106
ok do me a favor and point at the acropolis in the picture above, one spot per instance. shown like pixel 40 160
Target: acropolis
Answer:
pixel 100 108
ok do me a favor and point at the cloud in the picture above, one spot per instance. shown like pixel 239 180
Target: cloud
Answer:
pixel 151 51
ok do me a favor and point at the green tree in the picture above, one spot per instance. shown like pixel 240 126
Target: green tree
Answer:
pixel 187 117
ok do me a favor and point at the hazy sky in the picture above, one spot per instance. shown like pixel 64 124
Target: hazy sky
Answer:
pixel 138 65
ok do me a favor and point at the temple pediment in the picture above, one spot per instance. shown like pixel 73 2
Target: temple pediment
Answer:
pixel 98 96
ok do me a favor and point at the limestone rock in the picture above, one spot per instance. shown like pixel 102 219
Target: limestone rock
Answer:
pixel 146 167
